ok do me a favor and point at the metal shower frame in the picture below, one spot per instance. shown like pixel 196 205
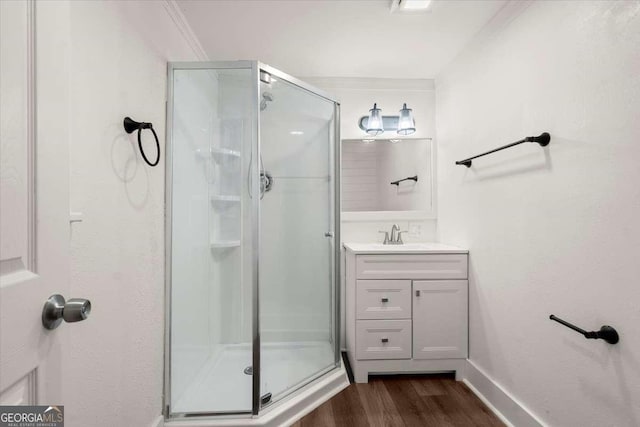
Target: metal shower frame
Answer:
pixel 256 67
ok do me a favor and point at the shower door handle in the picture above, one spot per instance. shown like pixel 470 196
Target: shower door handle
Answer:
pixel 266 182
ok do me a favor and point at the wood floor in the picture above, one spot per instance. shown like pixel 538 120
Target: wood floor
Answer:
pixel 406 400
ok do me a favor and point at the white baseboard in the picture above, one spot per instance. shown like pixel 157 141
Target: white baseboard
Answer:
pixel 506 407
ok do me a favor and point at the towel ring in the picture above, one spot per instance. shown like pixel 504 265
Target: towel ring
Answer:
pixel 131 125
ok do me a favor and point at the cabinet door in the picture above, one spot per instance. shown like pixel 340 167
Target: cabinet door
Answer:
pixel 440 327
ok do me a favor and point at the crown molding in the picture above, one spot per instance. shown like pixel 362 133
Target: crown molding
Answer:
pixel 173 9
pixel 369 83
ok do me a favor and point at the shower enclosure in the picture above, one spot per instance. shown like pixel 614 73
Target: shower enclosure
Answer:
pixel 252 238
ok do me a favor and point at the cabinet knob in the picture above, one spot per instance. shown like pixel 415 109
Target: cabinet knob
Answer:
pixel 418 293
pixel 385 340
pixel 385 299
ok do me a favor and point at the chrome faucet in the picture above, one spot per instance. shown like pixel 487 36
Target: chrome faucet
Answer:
pixel 396 236
pixel 394 233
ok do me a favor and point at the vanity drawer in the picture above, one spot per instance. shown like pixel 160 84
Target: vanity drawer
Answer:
pixel 383 299
pixel 409 266
pixel 383 339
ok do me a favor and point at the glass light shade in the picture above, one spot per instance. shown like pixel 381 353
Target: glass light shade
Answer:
pixel 406 124
pixel 374 124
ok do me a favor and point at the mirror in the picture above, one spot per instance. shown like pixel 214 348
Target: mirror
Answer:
pixel 374 177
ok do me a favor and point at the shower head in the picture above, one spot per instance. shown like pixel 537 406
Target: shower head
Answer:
pixel 266 96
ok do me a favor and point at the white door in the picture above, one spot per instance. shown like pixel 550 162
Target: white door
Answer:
pixel 440 319
pixel 34 206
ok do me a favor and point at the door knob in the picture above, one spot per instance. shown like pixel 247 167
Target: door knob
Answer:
pixel 56 309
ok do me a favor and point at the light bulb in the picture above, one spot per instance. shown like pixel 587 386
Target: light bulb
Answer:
pixel 406 124
pixel 374 124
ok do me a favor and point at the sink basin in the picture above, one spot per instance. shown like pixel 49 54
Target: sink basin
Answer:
pixel 427 247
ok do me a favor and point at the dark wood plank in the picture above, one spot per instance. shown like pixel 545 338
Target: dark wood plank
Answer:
pixel 415 411
pixel 428 385
pixel 378 405
pixel 321 416
pixel 347 409
pixel 481 415
pixel 404 400
pixel 451 409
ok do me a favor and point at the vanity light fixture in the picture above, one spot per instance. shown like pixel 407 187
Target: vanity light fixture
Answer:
pixel 406 124
pixel 374 124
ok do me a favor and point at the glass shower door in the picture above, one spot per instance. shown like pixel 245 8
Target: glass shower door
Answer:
pixel 210 239
pixel 251 253
pixel 297 223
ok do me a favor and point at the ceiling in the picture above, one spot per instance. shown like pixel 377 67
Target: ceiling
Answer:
pixel 332 38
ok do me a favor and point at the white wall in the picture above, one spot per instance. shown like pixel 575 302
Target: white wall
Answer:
pixel 356 96
pixel 119 52
pixel 550 230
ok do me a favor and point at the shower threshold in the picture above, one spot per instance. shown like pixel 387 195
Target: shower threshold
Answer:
pixel 223 384
pixel 285 412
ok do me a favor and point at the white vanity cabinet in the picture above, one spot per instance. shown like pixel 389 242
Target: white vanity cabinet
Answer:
pixel 406 308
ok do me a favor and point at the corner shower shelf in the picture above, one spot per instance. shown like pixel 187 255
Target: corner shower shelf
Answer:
pixel 205 154
pixel 220 244
pixel 223 198
pixel 225 151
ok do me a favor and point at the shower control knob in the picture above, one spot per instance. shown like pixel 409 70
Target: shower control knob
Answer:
pixel 57 309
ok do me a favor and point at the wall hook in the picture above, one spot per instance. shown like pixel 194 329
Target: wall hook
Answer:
pixel 131 126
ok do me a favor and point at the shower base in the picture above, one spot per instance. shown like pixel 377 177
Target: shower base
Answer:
pixel 223 386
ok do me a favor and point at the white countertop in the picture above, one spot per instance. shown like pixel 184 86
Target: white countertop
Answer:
pixel 406 248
